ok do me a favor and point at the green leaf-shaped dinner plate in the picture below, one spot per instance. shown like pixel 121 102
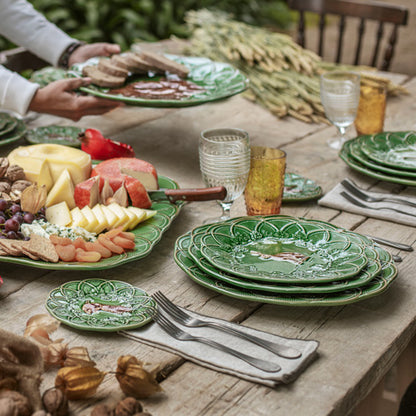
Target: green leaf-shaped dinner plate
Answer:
pixel 298 188
pixel 14 135
pixel 147 233
pixel 394 149
pixel 219 80
pixel 353 163
pixel 100 305
pixel 372 268
pixel 281 250
pixel 48 74
pixel 65 135
pixel 376 286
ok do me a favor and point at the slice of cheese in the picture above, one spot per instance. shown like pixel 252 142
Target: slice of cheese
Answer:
pixel 140 215
pixel 118 210
pixel 78 218
pixel 37 170
pixel 62 190
pixel 110 216
pixel 132 218
pixel 59 214
pixel 101 218
pixel 92 221
pixel 56 157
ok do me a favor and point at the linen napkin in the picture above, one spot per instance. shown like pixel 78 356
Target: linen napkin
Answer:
pixel 214 359
pixel 333 199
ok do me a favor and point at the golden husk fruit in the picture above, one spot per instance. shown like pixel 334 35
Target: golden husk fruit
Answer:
pixel 33 198
pixel 78 356
pixel 79 382
pixel 134 380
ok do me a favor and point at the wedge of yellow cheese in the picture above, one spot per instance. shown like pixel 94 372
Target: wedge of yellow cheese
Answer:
pixel 62 190
pixel 44 163
pixel 59 214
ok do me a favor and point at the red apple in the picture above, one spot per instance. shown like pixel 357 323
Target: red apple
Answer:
pixel 87 192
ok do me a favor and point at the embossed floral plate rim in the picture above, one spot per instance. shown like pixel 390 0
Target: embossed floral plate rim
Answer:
pixel 346 156
pixel 297 188
pixel 64 135
pixel 388 148
pixel 15 134
pixel 147 233
pixel 220 80
pixel 65 304
pixel 376 286
pixel 331 255
pixel 369 272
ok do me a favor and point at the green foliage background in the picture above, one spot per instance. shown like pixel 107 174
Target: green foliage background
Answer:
pixel 125 21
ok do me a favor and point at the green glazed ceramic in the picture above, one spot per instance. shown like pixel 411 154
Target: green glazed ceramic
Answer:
pixel 297 188
pixel 65 135
pixel 147 233
pixel 7 124
pixel 48 74
pixel 370 271
pixel 281 249
pixel 100 305
pixel 394 149
pixel 376 286
pixel 353 163
pixel 354 149
pixel 220 80
pixel 16 134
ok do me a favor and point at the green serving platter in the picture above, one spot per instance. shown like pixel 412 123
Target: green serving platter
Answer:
pixel 64 135
pixel 219 80
pixel 116 305
pixel 298 188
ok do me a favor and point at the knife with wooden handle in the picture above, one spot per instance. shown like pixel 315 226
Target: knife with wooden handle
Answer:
pixel 188 195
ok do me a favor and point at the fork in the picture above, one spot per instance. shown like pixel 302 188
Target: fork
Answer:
pixel 181 335
pixel 185 319
pixel 356 191
pixel 360 204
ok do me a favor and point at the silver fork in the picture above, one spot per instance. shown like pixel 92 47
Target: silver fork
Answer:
pixel 183 318
pixel 181 335
pixel 362 205
pixel 356 191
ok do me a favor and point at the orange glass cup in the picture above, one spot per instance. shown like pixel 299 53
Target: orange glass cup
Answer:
pixel 264 189
pixel 371 110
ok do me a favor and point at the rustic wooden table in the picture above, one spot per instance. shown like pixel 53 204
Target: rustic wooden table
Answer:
pixel 359 343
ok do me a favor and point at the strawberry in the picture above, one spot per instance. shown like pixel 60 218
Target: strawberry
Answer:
pixel 101 148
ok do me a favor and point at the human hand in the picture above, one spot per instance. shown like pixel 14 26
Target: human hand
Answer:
pixel 60 99
pixel 85 52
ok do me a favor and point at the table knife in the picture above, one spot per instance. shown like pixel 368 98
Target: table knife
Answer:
pixel 188 195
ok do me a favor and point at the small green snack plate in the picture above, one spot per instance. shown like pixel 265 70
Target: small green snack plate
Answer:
pixel 100 305
pixel 298 188
pixel 64 135
pixel 219 80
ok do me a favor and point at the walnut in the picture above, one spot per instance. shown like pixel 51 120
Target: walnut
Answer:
pixel 20 185
pixel 128 407
pixel 5 187
pixel 7 407
pixel 15 197
pixel 5 196
pixel 14 173
pixel 55 402
pixel 4 164
pixel 21 403
pixel 102 410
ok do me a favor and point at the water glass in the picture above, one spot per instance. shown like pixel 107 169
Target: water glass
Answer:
pixel 340 94
pixel 264 189
pixel 224 158
pixel 371 109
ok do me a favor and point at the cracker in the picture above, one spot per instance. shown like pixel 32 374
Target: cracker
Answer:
pixel 11 247
pixel 43 248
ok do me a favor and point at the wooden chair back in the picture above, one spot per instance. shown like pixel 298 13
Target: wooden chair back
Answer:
pixel 368 10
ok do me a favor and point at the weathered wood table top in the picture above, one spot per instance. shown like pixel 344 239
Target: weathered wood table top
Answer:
pixel 358 342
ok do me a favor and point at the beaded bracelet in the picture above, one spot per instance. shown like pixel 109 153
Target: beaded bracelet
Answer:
pixel 64 59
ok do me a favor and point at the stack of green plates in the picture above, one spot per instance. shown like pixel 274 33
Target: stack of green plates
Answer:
pixel 389 156
pixel 285 260
pixel 11 128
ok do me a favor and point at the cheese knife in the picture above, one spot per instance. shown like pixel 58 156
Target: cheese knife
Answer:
pixel 188 195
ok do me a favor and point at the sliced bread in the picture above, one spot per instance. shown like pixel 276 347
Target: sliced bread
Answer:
pixel 102 79
pixel 137 64
pixel 105 65
pixel 164 64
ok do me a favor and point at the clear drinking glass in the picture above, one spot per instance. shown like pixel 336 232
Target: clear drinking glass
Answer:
pixel 224 159
pixel 340 94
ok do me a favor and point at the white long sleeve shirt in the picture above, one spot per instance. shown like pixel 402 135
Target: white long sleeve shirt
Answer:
pixel 24 26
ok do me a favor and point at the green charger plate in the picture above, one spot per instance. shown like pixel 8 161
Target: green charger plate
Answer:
pixel 251 247
pixel 372 268
pixel 16 134
pixel 148 234
pixel 376 286
pixel 66 305
pixel 298 188
pixel 394 149
pixel 64 135
pixel 220 80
